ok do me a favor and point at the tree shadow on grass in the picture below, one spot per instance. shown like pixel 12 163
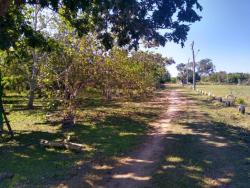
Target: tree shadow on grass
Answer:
pixel 205 153
pixel 205 158
pixel 30 162
pixel 90 103
pixel 34 165
pixel 112 135
pixel 213 155
pixel 199 152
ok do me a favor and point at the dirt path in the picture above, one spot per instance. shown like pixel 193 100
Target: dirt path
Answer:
pixel 197 150
pixel 136 170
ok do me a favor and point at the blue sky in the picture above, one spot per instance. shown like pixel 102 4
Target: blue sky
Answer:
pixel 222 35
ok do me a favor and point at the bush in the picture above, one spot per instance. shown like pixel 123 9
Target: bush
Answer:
pixel 240 101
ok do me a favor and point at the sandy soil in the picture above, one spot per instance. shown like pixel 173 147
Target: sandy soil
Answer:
pixel 136 170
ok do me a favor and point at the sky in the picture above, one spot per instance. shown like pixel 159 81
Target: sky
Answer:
pixel 222 35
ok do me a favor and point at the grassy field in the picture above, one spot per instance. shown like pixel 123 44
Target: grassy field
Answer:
pixel 224 90
pixel 107 129
pixel 208 146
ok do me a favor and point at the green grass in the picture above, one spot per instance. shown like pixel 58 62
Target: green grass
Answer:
pixel 224 90
pixel 107 129
pixel 228 115
pixel 206 147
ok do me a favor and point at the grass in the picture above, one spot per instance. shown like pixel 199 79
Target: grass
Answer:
pixel 206 147
pixel 107 129
pixel 224 90
pixel 208 144
pixel 229 115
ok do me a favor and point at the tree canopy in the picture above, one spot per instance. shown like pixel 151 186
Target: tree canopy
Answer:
pixel 89 44
pixel 206 67
pixel 116 22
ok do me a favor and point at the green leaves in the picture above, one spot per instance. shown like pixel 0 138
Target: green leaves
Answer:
pixel 115 22
pixel 10 27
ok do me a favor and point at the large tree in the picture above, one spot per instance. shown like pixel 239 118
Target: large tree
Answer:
pixel 119 22
pixel 185 72
pixel 114 22
pixel 182 69
pixel 205 67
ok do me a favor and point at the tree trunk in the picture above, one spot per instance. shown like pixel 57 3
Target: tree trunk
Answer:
pixel 31 95
pixel 108 94
pixel 32 81
pixel 35 65
pixel 1 106
pixel 4 6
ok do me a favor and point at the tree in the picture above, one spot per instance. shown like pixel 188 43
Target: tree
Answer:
pixel 205 67
pixel 228 78
pixel 80 64
pixel 166 77
pixel 120 22
pixel 185 71
pixel 38 23
pixel 68 71
pixel 218 77
pixel 115 22
pixel 182 69
pixel 29 55
pixel 154 66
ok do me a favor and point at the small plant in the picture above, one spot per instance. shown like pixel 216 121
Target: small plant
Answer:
pixel 240 101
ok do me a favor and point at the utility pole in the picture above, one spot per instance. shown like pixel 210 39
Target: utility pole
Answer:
pixel 187 69
pixel 194 65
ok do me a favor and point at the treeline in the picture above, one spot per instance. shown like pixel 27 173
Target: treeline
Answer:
pixel 204 68
pixel 69 65
pixel 205 72
pixel 223 77
pixel 83 65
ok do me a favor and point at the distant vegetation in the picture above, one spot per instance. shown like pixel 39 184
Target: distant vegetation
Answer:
pixel 205 72
pixel 228 78
pixel 205 68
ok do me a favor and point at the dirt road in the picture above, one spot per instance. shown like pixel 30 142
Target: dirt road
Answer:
pixel 186 147
pixel 136 170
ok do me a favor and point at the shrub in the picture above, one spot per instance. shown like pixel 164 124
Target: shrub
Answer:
pixel 240 101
